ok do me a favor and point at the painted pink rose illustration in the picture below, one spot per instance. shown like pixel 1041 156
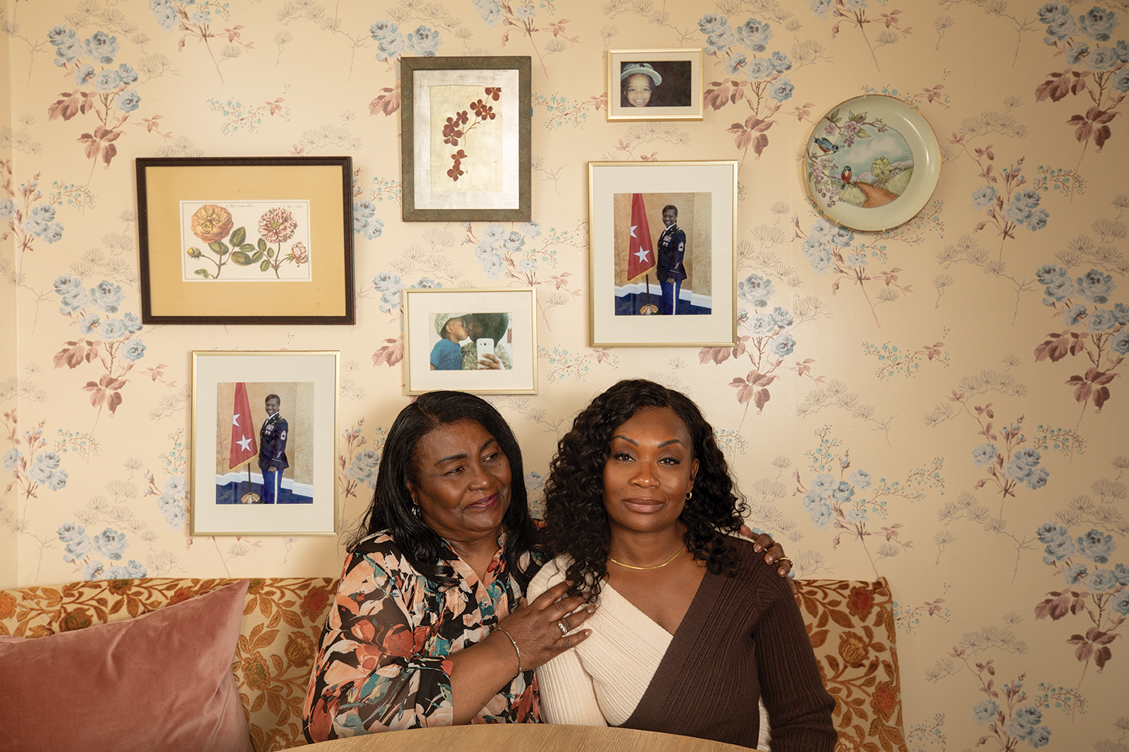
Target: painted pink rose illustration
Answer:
pixel 277 226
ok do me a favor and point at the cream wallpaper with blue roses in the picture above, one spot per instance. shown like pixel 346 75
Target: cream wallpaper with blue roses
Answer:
pixel 943 404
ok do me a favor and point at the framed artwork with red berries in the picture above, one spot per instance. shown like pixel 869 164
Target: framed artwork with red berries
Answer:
pixel 246 240
pixel 465 130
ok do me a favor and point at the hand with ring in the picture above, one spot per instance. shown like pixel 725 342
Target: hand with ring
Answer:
pixel 773 552
pixel 543 629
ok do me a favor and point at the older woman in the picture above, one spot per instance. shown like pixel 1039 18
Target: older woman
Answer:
pixel 428 626
pixel 690 630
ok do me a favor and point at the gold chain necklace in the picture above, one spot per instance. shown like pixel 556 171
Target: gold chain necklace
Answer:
pixel 657 566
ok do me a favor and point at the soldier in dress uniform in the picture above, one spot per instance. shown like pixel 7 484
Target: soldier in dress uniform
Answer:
pixel 272 450
pixel 671 252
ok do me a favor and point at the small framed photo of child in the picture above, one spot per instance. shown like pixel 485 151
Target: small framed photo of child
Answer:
pixel 482 340
pixel 654 85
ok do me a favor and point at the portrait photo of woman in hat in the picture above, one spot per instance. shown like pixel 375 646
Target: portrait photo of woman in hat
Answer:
pixel 642 84
pixel 655 84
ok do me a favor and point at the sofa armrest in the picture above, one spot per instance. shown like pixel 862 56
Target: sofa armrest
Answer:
pixel 851 627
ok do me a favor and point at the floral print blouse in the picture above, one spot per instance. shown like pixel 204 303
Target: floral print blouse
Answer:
pixel 382 662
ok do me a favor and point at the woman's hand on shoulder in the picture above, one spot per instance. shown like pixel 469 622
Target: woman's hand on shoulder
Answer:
pixel 544 628
pixel 773 551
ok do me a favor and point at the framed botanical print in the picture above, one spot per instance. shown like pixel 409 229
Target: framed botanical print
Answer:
pixel 465 125
pixel 247 240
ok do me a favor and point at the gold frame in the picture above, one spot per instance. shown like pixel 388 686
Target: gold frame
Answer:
pixel 694 111
pixel 167 298
pixel 716 329
pixel 521 305
pixel 212 368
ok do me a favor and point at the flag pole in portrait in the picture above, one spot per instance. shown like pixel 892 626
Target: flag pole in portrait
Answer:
pixel 243 444
pixel 641 251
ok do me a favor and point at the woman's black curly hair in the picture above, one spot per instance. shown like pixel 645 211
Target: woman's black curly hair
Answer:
pixel 576 521
pixel 391 507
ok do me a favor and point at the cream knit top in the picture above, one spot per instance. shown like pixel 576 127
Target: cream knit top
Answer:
pixel 600 681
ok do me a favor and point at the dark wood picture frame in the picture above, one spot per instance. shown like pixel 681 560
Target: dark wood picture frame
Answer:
pixel 171 242
pixel 504 198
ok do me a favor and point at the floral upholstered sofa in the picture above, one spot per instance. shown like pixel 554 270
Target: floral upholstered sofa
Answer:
pixel 850 623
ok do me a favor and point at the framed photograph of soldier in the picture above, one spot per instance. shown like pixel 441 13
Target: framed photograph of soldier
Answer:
pixel 246 240
pixel 482 341
pixel 465 125
pixel 264 432
pixel 654 84
pixel 661 244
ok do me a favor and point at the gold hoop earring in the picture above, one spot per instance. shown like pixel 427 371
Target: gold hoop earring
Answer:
pixel 689 494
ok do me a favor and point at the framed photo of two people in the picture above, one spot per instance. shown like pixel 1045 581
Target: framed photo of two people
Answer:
pixel 661 238
pixel 264 431
pixel 472 340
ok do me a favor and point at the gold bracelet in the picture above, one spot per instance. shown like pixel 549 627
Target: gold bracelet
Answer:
pixel 514 643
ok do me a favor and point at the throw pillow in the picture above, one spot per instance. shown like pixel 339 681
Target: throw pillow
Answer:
pixel 160 681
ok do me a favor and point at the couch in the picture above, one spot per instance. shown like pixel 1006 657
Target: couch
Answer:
pixel 850 624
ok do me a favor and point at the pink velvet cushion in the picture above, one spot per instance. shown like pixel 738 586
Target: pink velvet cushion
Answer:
pixel 161 681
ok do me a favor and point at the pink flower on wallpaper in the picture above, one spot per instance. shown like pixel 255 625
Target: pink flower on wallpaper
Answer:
pixel 277 226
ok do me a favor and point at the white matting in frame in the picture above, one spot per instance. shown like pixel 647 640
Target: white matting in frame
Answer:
pixel 310 407
pixel 714 185
pixel 506 318
pixel 672 80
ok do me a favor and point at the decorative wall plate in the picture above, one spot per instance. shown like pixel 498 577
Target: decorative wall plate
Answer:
pixel 872 163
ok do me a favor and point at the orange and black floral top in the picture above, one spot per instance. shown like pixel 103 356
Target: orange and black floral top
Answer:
pixel 382 662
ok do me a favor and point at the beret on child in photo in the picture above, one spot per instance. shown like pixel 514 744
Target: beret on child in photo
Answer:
pixel 630 69
pixel 441 320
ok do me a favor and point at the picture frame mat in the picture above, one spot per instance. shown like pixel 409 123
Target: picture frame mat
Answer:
pixel 324 295
pixel 416 133
pixel 605 179
pixel 420 304
pixel 507 198
pixel 209 368
pixel 618 113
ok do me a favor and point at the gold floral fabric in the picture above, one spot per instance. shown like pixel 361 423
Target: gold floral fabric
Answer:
pixel 851 627
pixel 282 620
pixel 850 624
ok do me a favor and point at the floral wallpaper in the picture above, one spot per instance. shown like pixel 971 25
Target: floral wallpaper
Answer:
pixel 942 403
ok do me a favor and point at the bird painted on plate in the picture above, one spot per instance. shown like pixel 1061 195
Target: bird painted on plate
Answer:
pixel 846 174
pixel 826 146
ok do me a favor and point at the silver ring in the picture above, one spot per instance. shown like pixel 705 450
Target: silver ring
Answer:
pixel 562 627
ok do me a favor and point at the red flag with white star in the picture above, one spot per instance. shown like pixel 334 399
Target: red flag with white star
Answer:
pixel 641 251
pixel 243 444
